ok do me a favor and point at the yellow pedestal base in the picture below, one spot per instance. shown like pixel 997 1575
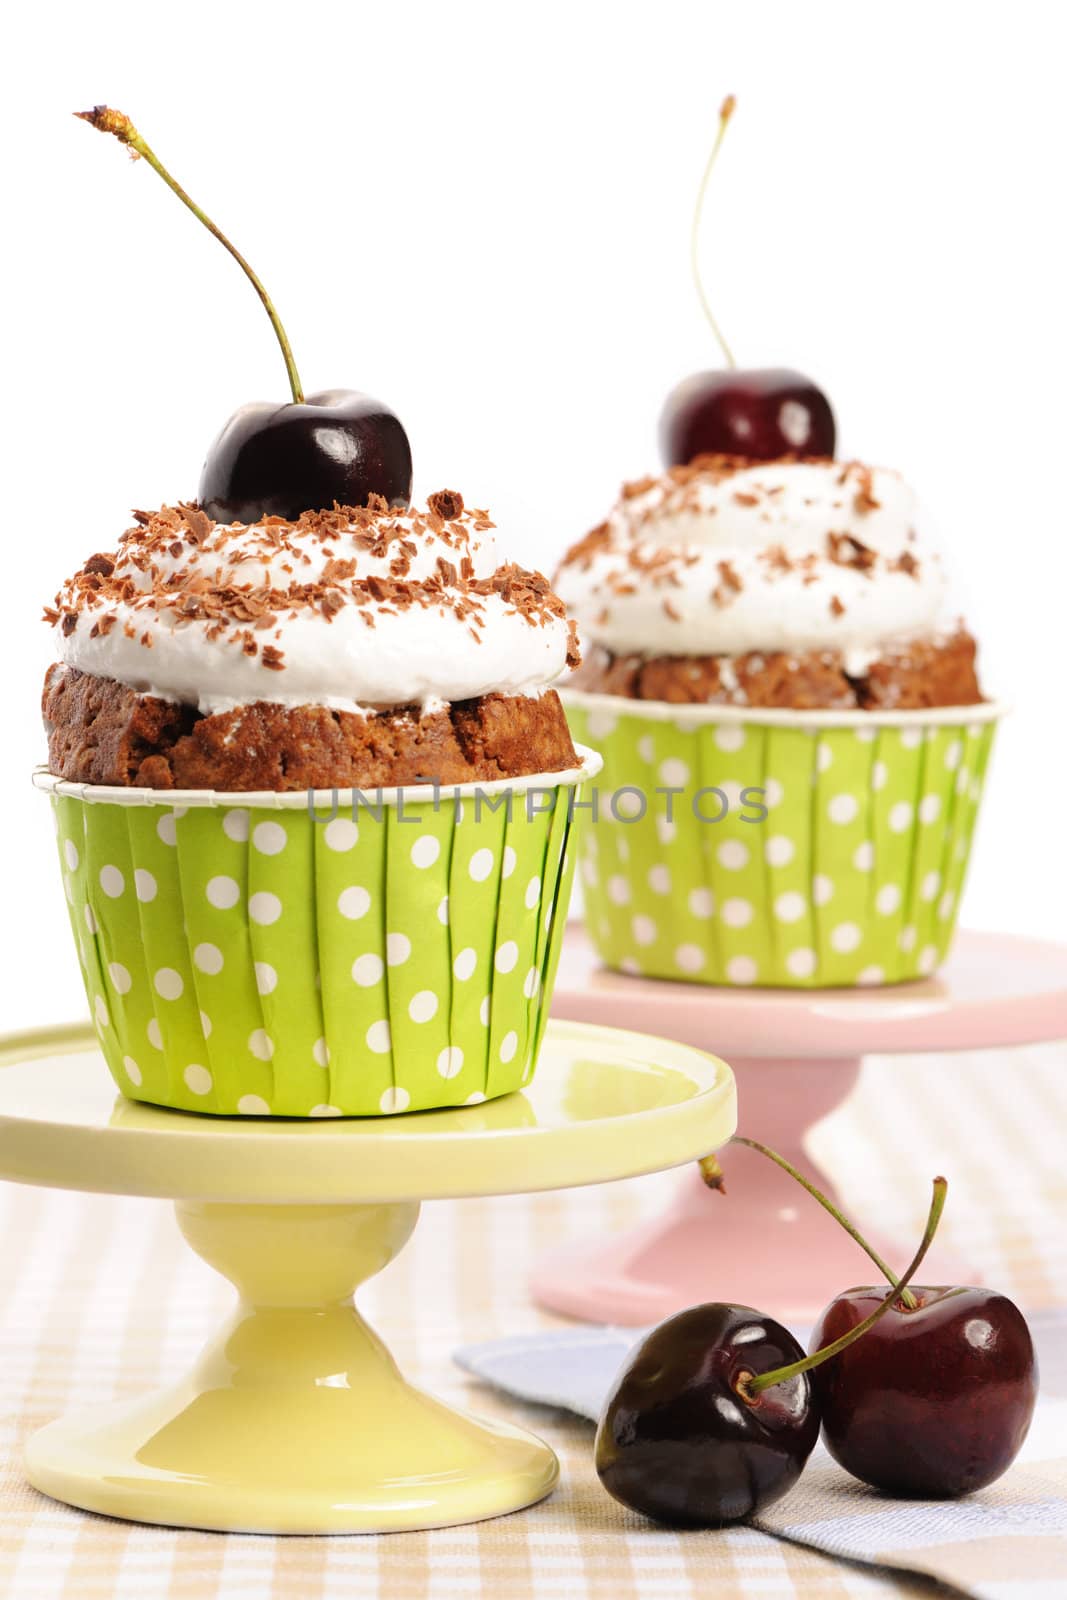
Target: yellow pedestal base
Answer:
pixel 295 1419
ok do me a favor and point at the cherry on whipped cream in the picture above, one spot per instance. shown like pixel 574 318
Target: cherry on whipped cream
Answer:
pixel 274 459
pixel 758 412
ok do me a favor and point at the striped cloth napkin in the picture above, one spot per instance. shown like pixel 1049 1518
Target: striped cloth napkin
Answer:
pixel 1008 1542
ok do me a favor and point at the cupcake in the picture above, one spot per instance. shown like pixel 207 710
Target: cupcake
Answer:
pixel 792 725
pixel 312 787
pixel 312 790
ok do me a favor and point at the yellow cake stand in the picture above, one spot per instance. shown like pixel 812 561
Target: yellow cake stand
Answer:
pixel 295 1418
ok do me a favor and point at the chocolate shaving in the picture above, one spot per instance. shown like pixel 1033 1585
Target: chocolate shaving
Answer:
pixel 446 503
pixel 581 554
pixel 729 584
pixel 180 564
pixel 574 654
pixel 337 571
pixel 640 486
pixel 776 559
pixel 197 522
pixel 848 551
pixel 865 499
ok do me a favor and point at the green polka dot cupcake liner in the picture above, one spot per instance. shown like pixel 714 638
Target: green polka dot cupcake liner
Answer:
pixel 796 850
pixel 317 956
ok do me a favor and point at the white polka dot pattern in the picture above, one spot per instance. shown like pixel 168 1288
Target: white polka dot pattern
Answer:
pixel 341 834
pixel 425 851
pixel 269 838
pixel 197 1079
pixel 367 969
pixel 394 1099
pixel 208 958
pixel 235 825
pixel 270 962
pixel 112 882
pixel 253 1105
pixel 353 902
pixel 397 949
pixel 223 892
pixel 839 860
pixel 450 1061
pixel 261 1044
pixel 266 977
pixel 169 984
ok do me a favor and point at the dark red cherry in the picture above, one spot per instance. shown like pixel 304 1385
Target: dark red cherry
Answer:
pixel 761 413
pixel 679 1441
pixel 934 1401
pixel 279 460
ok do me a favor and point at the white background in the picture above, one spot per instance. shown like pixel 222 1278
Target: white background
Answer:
pixel 480 212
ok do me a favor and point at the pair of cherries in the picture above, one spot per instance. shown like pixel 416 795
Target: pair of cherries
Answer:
pixel 924 1392
pixel 339 446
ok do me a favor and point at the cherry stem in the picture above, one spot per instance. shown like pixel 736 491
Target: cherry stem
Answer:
pixel 726 111
pixel 752 1387
pixel 828 1205
pixel 106 120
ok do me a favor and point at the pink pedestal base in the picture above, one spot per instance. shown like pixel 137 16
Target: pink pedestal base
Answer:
pixel 796 1057
pixel 765 1244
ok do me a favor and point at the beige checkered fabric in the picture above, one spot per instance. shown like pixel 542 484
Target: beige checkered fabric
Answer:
pixel 100 1297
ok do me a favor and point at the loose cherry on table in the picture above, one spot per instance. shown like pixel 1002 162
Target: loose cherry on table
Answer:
pixel 678 1441
pixel 936 1401
pixel 281 459
pixel 707 1424
pixel 758 412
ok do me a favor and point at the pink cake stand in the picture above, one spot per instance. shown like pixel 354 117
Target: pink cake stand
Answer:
pixel 796 1055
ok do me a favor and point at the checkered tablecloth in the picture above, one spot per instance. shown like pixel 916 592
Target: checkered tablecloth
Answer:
pixel 100 1297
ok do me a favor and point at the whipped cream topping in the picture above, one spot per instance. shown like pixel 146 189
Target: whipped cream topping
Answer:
pixel 726 556
pixel 352 609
